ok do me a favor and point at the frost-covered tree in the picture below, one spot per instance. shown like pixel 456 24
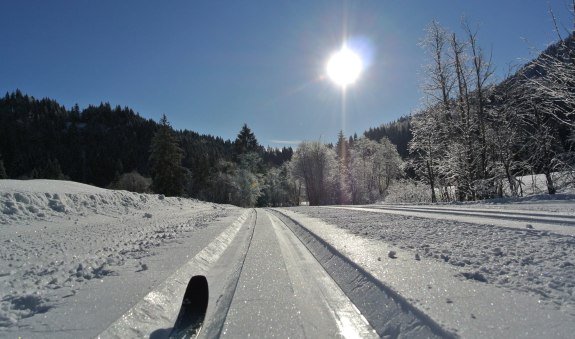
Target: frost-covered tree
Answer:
pixel 221 183
pixel 427 147
pixel 457 87
pixel 277 188
pixel 373 166
pixel 482 74
pixel 543 93
pixel 133 182
pixel 440 79
pixel 168 175
pixel 430 126
pixel 315 165
pixel 503 135
pixel 246 181
pixel 388 165
pixel 343 174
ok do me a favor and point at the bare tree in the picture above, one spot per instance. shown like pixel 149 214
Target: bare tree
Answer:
pixel 483 73
pixel 430 135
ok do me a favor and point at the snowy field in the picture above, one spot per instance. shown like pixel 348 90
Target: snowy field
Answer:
pixel 66 247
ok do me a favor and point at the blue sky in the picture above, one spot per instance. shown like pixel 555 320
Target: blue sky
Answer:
pixel 213 65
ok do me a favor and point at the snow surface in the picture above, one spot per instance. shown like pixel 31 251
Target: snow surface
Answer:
pixel 69 249
pixel 538 264
pixel 465 307
pixel 75 258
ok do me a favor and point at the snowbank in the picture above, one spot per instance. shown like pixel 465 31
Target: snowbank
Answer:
pixel 29 200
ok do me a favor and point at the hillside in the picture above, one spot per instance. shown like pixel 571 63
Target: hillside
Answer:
pixel 43 139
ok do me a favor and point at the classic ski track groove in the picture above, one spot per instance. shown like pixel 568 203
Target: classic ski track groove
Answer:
pixel 394 316
pixel 350 321
pixel 157 309
pixel 550 224
pixel 216 318
pixel 511 215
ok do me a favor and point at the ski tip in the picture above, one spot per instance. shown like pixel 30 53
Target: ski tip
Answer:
pixel 193 309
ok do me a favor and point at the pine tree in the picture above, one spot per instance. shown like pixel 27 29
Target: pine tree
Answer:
pixel 52 170
pixel 246 141
pixel 3 174
pixel 165 161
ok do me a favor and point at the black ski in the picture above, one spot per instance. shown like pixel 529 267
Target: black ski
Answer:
pixel 193 310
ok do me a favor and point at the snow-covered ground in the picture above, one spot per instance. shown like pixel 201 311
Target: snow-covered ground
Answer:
pixel 68 246
pixel 536 184
pixel 75 260
pixel 539 264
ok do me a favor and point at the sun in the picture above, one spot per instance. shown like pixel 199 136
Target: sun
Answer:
pixel 344 67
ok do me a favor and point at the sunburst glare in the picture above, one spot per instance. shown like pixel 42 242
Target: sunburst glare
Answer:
pixel 344 67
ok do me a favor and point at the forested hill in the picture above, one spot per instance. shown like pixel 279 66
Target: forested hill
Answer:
pixel 398 132
pixel 551 62
pixel 43 139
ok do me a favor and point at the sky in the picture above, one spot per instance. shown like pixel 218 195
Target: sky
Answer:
pixel 212 66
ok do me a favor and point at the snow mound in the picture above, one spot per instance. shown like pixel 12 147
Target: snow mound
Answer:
pixel 58 236
pixel 44 199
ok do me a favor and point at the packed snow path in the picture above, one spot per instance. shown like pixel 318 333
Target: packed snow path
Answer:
pixel 284 292
pixel 267 283
pixel 545 221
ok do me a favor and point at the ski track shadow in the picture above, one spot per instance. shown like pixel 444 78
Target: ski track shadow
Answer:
pixel 161 333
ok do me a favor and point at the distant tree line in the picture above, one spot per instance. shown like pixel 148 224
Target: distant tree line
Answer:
pixel 398 132
pixel 115 147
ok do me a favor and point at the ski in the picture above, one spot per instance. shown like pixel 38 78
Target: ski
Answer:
pixel 193 309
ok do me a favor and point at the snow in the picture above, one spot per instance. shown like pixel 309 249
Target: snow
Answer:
pixel 468 276
pixel 155 313
pixel 81 261
pixel 69 248
pixel 288 292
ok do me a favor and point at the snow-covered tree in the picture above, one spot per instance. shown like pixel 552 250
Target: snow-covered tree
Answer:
pixel 315 165
pixel 373 166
